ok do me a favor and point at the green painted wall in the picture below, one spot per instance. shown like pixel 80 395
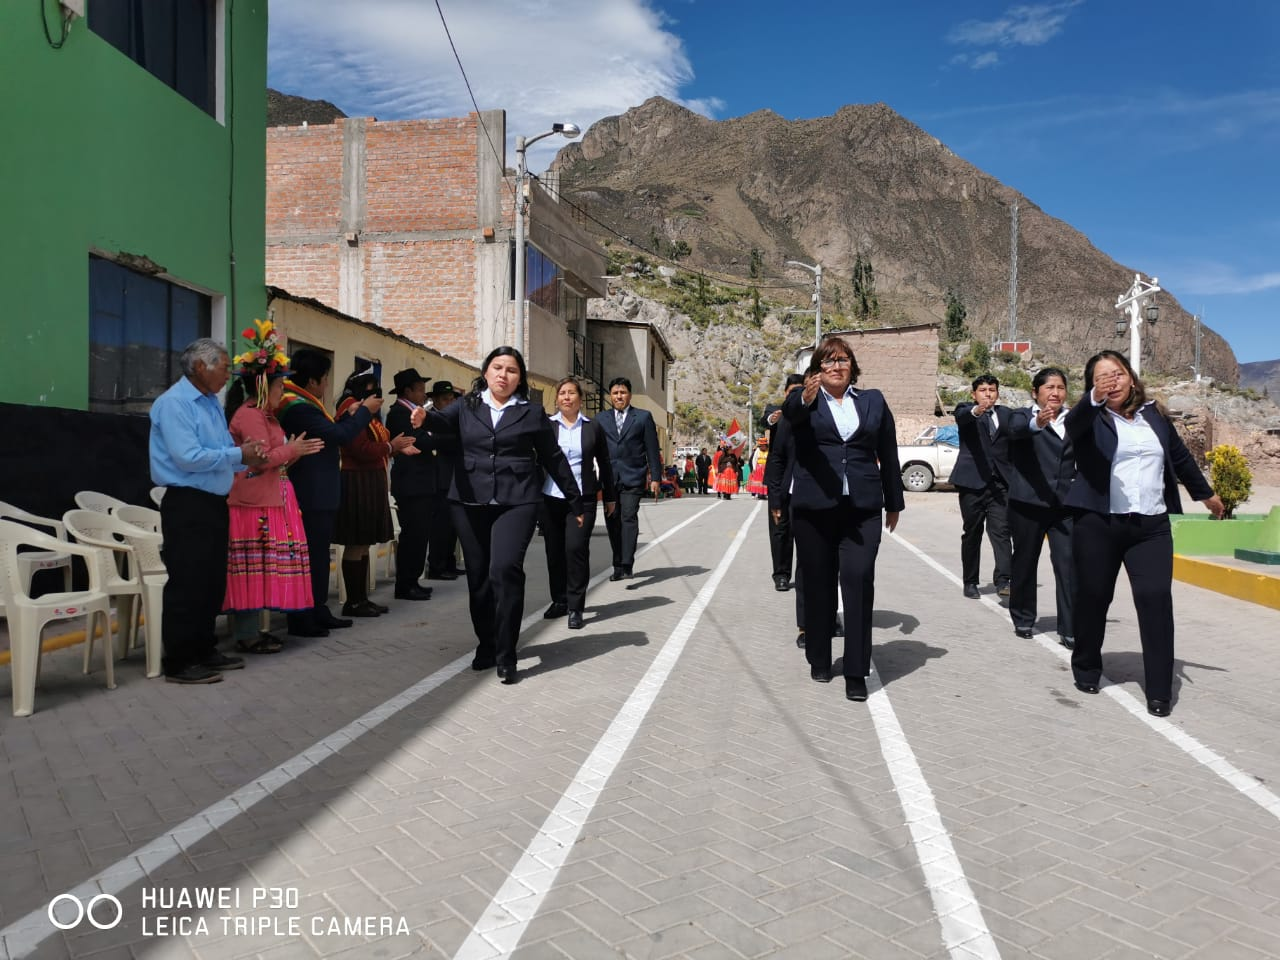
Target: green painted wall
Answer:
pixel 98 155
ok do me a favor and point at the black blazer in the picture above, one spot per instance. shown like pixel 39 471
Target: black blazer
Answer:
pixel 1093 435
pixel 502 465
pixel 869 458
pixel 635 451
pixel 702 464
pixel 1043 463
pixel 316 479
pixel 981 456
pixel 411 476
pixel 597 475
pixel 779 468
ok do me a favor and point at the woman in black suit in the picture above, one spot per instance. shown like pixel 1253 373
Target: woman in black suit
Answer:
pixel 567 538
pixel 1128 463
pixel 845 473
pixel 494 496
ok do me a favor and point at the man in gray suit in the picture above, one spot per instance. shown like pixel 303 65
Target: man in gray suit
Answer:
pixel 633 451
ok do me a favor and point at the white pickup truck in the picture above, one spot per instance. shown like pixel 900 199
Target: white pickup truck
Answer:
pixel 929 459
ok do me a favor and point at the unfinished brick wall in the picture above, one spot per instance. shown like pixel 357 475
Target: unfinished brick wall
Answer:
pixel 381 220
pixel 902 363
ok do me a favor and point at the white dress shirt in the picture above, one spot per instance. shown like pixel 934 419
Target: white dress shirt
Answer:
pixel 570 437
pixel 1137 471
pixel 845 413
pixel 496 410
pixel 1057 424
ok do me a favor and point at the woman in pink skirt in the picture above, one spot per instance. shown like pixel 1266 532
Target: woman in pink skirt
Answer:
pixel 267 554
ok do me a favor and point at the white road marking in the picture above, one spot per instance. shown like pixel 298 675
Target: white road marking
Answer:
pixel 21 937
pixel 1197 751
pixel 498 931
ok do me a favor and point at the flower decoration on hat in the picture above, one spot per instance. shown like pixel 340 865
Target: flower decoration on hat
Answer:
pixel 264 359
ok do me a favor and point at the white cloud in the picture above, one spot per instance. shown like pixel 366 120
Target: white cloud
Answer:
pixel 1024 25
pixel 1210 277
pixel 576 60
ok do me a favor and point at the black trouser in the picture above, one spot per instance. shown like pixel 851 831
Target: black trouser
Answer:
pixel 985 506
pixel 1144 546
pixel 568 550
pixel 1028 525
pixel 703 486
pixel 411 549
pixel 443 537
pixel 195 526
pixel 319 527
pixel 624 527
pixel 494 540
pixel 837 547
pixel 782 541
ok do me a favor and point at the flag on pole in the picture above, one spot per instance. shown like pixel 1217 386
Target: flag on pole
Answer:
pixel 736 439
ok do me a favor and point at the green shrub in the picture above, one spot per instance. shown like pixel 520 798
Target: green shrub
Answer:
pixel 1229 476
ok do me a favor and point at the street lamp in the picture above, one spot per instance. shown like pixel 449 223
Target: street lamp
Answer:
pixel 1138 300
pixel 816 270
pixel 568 131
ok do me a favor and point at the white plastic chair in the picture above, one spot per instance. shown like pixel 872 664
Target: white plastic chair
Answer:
pixel 28 617
pixel 147 562
pixel 97 502
pixel 32 561
pixel 120 580
pixel 143 517
pixel 157 494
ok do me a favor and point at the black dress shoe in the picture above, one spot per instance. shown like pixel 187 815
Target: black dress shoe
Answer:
pixel 971 591
pixel 821 674
pixel 628 572
pixel 1068 642
pixel 575 619
pixel 1002 590
pixel 361 608
pixel 800 639
pixel 220 661
pixel 1026 633
pixel 196 673
pixel 855 688
pixel 617 574
pixel 441 575
pixel 380 607
pixel 781 584
pixel 414 592
pixel 1158 708
pixel 507 673
pixel 482 662
pixel 555 610
pixel 1086 687
pixel 327 620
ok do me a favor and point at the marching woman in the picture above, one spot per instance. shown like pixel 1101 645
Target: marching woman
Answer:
pixel 1043 466
pixel 845 473
pixel 759 456
pixel 494 496
pixel 267 566
pixel 728 468
pixel 1129 460
pixel 566 537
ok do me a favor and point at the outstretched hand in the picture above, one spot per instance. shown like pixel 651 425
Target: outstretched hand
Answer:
pixel 304 445
pixel 418 417
pixel 811 383
pixel 403 444
pixel 1215 506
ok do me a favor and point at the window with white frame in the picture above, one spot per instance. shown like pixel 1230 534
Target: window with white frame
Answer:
pixel 173 40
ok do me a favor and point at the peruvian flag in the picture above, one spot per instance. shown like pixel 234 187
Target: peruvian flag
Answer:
pixel 736 439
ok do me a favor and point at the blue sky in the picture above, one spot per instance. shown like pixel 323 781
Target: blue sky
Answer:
pixel 1153 128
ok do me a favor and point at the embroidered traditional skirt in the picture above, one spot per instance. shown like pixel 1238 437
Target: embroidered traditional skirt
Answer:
pixel 267 557
pixel 755 484
pixel 727 481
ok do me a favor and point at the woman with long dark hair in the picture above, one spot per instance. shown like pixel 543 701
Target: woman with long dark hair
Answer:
pixel 494 496
pixel 845 475
pixel 1129 460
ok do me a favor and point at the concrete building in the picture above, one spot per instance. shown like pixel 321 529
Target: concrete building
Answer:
pixel 638 351
pixel 410 225
pixel 134 190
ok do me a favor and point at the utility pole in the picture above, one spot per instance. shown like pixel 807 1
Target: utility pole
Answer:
pixel 1195 368
pixel 816 270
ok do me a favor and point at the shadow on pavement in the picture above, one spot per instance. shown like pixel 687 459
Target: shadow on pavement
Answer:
pixel 607 611
pixel 888 619
pixel 897 658
pixel 664 573
pixel 1126 667
pixel 565 653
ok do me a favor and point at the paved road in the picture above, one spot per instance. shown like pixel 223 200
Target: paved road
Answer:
pixel 667 782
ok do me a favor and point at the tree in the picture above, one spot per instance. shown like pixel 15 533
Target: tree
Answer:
pixel 865 302
pixel 1229 476
pixel 953 328
pixel 680 249
pixel 757 314
pixel 756 268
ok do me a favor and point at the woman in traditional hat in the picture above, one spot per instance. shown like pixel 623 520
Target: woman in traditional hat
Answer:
pixel 759 456
pixel 267 566
pixel 728 474
pixel 364 508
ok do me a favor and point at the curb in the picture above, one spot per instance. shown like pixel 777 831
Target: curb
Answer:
pixel 1259 588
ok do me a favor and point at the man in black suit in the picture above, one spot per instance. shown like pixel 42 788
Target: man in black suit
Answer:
pixel 702 464
pixel 980 477
pixel 442 561
pixel 781 539
pixel 1043 467
pixel 413 480
pixel 633 451
pixel 316 479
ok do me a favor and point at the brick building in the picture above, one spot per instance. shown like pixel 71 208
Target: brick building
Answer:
pixel 410 225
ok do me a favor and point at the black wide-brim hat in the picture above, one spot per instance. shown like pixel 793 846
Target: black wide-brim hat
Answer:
pixel 442 387
pixel 407 378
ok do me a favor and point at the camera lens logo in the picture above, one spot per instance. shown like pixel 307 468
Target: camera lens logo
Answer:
pixel 83 911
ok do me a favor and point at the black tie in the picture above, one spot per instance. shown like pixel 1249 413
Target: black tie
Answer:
pixel 991 425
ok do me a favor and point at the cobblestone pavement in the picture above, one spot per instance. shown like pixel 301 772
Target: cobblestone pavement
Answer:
pixel 667 782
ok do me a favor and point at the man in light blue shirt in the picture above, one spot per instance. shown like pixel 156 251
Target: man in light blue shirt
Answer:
pixel 194 458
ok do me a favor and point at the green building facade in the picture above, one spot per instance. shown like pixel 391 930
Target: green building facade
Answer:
pixel 132 171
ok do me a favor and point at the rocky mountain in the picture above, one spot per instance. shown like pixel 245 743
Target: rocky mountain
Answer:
pixel 286 110
pixel 862 185
pixel 1262 375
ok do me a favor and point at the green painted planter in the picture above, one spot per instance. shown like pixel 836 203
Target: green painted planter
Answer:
pixel 1202 536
